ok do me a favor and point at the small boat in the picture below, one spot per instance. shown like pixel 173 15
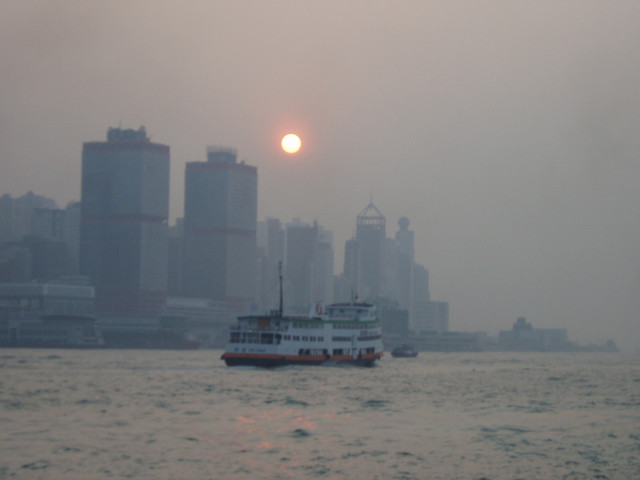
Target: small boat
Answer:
pixel 338 333
pixel 405 351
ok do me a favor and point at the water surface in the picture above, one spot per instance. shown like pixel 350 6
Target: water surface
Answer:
pixel 171 414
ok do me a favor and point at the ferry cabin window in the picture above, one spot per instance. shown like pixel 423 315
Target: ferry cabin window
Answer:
pixel 341 339
pixel 369 337
pixel 266 338
pixel 312 351
pixel 251 337
pixel 303 324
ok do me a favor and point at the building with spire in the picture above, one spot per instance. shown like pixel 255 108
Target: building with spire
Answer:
pixel 370 238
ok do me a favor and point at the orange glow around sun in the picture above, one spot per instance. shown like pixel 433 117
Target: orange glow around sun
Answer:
pixel 291 143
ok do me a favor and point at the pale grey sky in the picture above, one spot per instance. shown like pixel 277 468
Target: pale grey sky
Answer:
pixel 508 132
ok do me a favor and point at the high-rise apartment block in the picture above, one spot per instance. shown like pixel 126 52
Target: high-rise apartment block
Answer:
pixel 125 208
pixel 220 219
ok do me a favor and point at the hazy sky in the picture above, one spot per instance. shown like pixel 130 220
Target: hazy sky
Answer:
pixel 508 132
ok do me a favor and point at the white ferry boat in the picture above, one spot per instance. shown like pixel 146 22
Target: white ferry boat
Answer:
pixel 337 333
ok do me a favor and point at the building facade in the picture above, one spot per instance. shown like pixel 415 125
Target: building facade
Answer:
pixel 220 221
pixel 370 258
pixel 404 265
pixel 271 241
pixel 302 247
pixel 523 336
pixel 430 317
pixel 124 214
pixel 309 266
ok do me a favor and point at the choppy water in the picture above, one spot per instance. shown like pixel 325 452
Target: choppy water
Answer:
pixel 184 415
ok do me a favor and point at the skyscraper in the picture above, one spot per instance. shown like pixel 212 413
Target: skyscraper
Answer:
pixel 371 235
pixel 271 244
pixel 302 247
pixel 125 207
pixel 324 266
pixel 309 272
pixel 220 219
pixel 404 264
pixel 351 269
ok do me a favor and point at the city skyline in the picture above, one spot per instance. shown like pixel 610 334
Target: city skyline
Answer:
pixel 506 134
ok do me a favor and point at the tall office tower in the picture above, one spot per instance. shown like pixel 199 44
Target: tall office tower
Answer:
pixel 302 246
pixel 421 307
pixel 324 266
pixel 309 266
pixel 72 216
pixel 421 290
pixel 370 235
pixel 271 243
pixel 404 264
pixel 220 219
pixel 175 259
pixel 351 268
pixel 123 232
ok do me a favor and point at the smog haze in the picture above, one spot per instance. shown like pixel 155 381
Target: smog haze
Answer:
pixel 507 132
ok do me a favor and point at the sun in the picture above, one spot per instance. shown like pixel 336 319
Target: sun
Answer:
pixel 291 143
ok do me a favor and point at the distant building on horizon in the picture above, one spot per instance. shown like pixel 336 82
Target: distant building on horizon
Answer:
pixel 523 336
pixel 383 270
pixel 430 317
pixel 405 264
pixel 17 216
pixel 349 283
pixel 38 240
pixel 309 266
pixel 364 263
pixel 220 221
pixel 175 260
pixel 371 238
pixel 270 240
pixel 124 214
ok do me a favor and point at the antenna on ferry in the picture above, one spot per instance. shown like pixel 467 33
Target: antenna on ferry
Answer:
pixel 280 279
